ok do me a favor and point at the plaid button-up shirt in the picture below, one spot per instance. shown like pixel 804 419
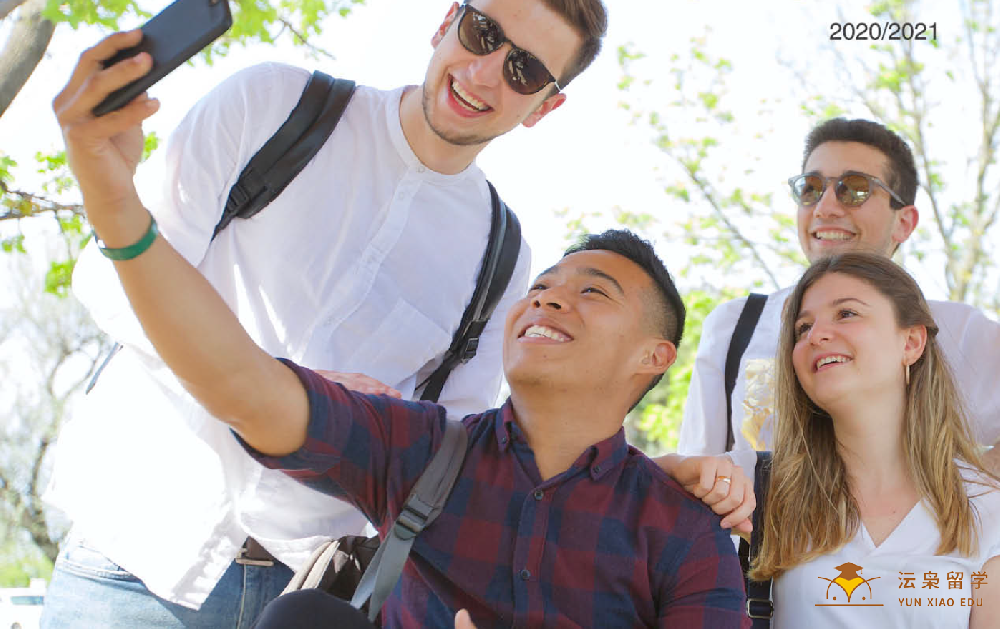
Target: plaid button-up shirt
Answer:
pixel 610 542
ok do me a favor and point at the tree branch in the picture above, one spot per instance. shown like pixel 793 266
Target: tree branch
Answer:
pixel 709 195
pixel 983 216
pixel 37 204
pixel 302 39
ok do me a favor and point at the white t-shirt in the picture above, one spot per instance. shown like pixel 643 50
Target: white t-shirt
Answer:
pixel 364 263
pixel 969 340
pixel 809 596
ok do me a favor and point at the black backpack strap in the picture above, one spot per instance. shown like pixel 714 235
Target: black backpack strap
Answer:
pixel 281 158
pixel 759 605
pixel 495 272
pixel 425 502
pixel 288 151
pixel 745 326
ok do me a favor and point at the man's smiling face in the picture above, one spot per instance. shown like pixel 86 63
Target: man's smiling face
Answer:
pixel 466 100
pixel 584 325
pixel 830 227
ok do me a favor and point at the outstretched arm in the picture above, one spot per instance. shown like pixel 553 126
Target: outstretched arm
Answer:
pixel 189 324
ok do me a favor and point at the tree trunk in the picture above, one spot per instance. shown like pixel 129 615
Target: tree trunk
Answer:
pixel 7 7
pixel 24 49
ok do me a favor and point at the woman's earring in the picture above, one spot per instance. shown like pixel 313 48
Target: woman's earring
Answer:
pixel 907 374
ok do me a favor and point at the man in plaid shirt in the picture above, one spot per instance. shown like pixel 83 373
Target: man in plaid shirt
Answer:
pixel 555 521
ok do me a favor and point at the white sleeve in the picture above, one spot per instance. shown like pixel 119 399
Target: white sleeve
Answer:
pixel 473 387
pixel 971 343
pixel 203 158
pixel 747 460
pixel 703 429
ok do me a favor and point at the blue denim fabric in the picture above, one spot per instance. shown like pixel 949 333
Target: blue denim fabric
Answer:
pixel 89 590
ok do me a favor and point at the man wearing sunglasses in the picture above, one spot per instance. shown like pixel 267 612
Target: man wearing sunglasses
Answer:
pixel 856 193
pixel 173 524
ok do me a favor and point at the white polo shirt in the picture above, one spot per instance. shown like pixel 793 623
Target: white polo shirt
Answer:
pixel 364 263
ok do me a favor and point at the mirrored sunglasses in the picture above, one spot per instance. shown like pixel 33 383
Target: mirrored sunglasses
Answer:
pixel 851 189
pixel 481 35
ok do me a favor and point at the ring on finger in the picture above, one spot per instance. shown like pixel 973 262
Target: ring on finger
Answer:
pixel 724 479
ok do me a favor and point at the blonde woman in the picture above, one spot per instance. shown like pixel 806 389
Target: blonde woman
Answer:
pixel 880 512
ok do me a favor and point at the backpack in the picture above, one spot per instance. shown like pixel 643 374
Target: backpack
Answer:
pixel 355 567
pixel 358 568
pixel 760 608
pixel 341 567
pixel 745 326
pixel 287 152
pixel 759 605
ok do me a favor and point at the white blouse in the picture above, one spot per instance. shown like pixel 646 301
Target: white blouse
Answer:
pixel 900 583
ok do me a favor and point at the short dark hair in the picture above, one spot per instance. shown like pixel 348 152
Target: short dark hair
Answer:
pixel 901 175
pixel 589 19
pixel 664 307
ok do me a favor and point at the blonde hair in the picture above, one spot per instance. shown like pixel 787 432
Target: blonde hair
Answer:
pixel 809 478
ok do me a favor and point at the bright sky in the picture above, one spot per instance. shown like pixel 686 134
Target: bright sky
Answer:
pixel 585 156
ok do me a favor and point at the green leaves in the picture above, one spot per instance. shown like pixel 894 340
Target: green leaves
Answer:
pixel 150 143
pixel 253 20
pixel 58 278
pixel 55 166
pixel 106 13
pixel 6 163
pixel 13 244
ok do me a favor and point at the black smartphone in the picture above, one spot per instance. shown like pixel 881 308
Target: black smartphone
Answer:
pixel 171 37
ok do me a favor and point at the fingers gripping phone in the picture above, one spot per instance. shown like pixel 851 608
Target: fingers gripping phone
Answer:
pixel 171 37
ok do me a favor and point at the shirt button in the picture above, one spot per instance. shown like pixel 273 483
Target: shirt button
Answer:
pixel 421 169
pixel 597 469
pixel 503 439
pixel 539 494
pixel 524 574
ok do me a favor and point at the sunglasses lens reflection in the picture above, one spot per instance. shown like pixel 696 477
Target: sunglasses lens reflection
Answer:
pixel 480 35
pixel 808 189
pixel 525 73
pixel 853 190
pixel 850 190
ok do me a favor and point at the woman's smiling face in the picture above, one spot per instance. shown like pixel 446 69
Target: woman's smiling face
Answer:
pixel 847 342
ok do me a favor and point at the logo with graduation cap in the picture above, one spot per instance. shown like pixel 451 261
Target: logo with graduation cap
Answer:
pixel 849 586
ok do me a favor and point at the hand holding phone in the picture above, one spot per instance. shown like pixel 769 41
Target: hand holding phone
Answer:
pixel 171 37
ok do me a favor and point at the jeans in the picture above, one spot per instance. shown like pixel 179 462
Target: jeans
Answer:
pixel 89 590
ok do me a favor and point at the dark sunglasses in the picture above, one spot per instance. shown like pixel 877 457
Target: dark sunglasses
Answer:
pixel 481 35
pixel 851 189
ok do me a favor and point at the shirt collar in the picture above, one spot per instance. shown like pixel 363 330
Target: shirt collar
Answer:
pixel 600 458
pixel 606 455
pixel 504 426
pixel 402 146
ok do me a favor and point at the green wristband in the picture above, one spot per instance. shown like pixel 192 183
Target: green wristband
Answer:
pixel 134 250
